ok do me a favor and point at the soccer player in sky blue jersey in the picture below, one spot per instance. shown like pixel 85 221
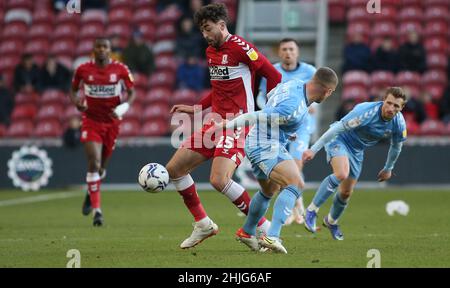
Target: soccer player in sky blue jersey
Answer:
pixel 345 142
pixel 275 169
pixel 291 68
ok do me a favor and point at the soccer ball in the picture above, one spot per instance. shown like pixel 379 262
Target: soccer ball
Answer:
pixel 153 178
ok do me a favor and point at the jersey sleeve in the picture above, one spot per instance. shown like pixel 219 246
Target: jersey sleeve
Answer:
pixel 359 116
pixel 77 77
pixel 127 77
pixel 400 133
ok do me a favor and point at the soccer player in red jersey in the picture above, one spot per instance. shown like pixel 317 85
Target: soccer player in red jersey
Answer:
pixel 233 63
pixel 102 109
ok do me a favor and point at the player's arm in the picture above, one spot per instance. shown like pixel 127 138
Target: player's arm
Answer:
pixel 266 70
pixel 394 152
pixel 128 81
pixel 261 99
pixel 73 95
pixel 334 130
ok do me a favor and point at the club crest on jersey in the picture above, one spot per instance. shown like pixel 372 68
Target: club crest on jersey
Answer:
pixel 252 54
pixel 225 59
pixel 90 78
pixel 219 73
pixel 113 77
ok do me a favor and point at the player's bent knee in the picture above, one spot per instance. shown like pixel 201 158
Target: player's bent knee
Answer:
pixel 345 194
pixel 218 181
pixel 341 176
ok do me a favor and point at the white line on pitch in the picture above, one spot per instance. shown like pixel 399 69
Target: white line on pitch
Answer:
pixel 40 198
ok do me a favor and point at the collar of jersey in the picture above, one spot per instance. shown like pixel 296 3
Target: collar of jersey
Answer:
pixel 304 94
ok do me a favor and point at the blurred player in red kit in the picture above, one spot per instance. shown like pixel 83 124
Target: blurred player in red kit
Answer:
pixel 102 109
pixel 233 64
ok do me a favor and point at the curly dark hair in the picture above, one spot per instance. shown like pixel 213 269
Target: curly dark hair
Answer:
pixel 214 12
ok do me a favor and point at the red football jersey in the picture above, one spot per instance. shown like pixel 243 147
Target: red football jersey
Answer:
pixel 102 87
pixel 232 69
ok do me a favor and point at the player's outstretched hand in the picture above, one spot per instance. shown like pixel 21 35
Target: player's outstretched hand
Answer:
pixel 308 155
pixel 384 175
pixel 182 108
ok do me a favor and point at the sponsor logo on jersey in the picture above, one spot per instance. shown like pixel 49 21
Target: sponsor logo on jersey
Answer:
pixel 113 77
pixel 219 72
pixel 101 90
pixel 252 54
pixel 404 133
pixel 225 59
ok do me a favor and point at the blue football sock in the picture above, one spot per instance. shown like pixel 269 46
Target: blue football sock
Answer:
pixel 338 207
pixel 283 208
pixel 258 208
pixel 326 188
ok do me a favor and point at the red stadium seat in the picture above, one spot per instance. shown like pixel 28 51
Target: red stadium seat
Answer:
pixel 413 91
pixel 436 44
pixel 65 31
pixel 140 81
pixel 2 130
pixel 20 4
pixel 384 29
pixel 64 47
pixel 26 98
pixel 382 79
pixel 143 16
pixel 135 111
pixel 437 61
pixel 85 47
pixel 94 16
pixel 53 96
pixel 434 77
pixel 21 128
pixel 71 111
pixel 162 79
pixel 64 17
pixel 355 93
pixel 148 31
pixel 443 3
pixel 435 13
pixel 130 128
pixel 410 13
pixel 16 30
pixel 123 31
pixel 436 29
pixel 66 61
pixel 142 4
pixel 376 42
pixel 360 27
pixel 9 63
pixel 24 111
pixel 413 127
pixel 336 11
pixel 169 15
pixel 387 13
pixel 113 4
pixel 184 96
pixel 356 78
pixel 38 47
pixel 417 3
pixel 158 95
pixel 432 127
pixel 166 63
pixel 50 111
pixel 356 3
pixel 166 32
pixel 43 16
pixel 40 31
pixel 122 15
pixel 357 14
pixel 12 47
pixel 155 127
pixel 156 111
pixel 435 90
pixel 408 78
pixel 91 31
pixel 48 128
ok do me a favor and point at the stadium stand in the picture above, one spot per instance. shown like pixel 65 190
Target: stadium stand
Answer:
pixel 38 28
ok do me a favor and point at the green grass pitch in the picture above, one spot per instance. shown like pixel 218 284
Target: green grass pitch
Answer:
pixel 145 230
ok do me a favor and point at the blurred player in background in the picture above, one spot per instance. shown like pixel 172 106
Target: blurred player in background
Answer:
pixel 103 80
pixel 291 68
pixel 345 142
pixel 233 63
pixel 276 170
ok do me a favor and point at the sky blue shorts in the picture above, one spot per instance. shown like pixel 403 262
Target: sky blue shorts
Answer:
pixel 339 148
